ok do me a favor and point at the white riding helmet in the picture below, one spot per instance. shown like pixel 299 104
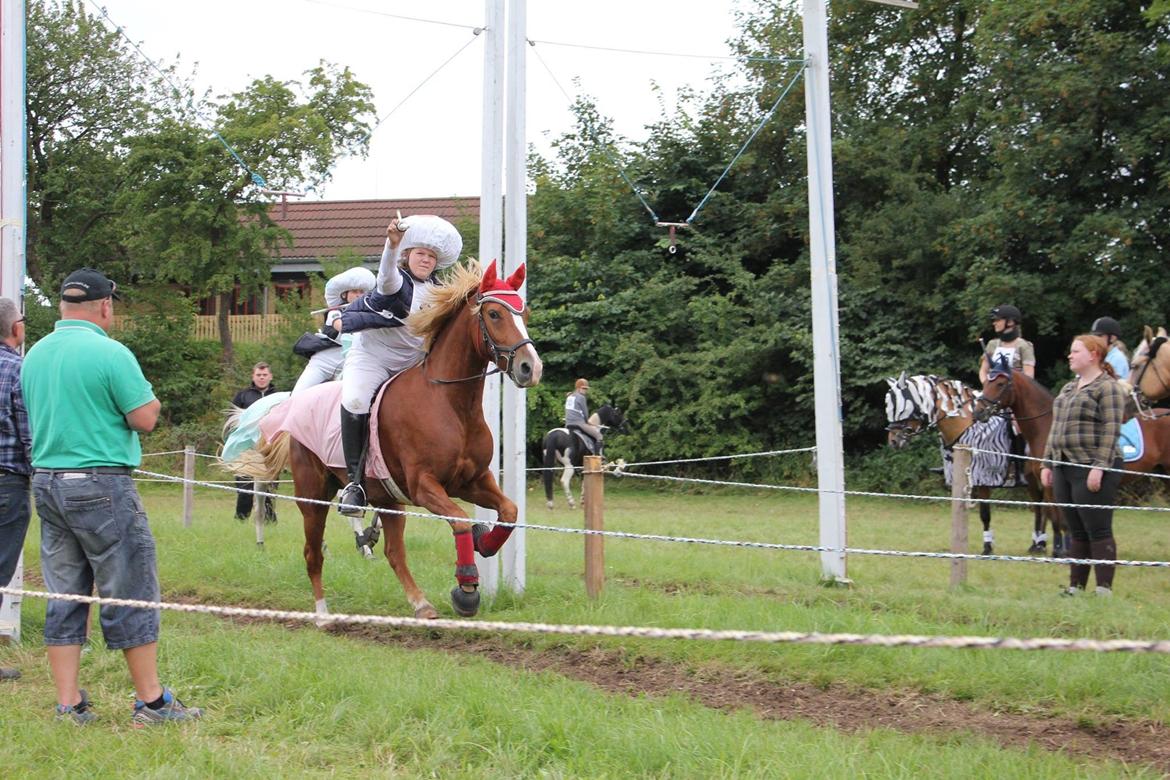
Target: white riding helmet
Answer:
pixel 353 279
pixel 433 233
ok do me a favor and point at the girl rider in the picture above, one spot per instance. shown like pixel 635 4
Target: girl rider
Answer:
pixel 416 247
pixel 340 291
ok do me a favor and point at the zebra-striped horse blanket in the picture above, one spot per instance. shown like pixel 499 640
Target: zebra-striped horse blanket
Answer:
pixel 930 399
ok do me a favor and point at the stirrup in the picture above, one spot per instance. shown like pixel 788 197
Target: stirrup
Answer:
pixel 354 495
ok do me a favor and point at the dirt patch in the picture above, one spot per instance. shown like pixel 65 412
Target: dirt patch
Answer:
pixel 836 706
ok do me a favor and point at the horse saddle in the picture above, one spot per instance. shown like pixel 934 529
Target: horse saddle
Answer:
pixel 1131 441
pixel 588 444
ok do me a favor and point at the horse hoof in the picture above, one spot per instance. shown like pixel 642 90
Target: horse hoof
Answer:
pixel 1038 547
pixel 367 553
pixel 464 603
pixel 988 550
pixel 426 612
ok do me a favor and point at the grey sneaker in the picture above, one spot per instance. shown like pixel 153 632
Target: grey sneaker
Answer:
pixel 7 673
pixel 1103 591
pixel 1072 592
pixel 79 714
pixel 172 710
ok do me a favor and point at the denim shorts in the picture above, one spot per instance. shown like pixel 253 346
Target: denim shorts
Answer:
pixel 94 531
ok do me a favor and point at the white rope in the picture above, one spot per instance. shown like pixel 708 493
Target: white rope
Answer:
pixel 722 457
pixel 1070 463
pixel 682 539
pixel 772 637
pixel 871 494
pixel 168 452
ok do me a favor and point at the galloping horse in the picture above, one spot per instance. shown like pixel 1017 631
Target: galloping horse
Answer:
pixel 1031 407
pixel 430 431
pixel 918 403
pixel 565 447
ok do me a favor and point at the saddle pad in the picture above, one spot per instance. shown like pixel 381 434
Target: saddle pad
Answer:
pixel 313 418
pixel 1132 443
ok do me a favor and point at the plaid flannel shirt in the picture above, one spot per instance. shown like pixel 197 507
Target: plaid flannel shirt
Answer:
pixel 1086 423
pixel 14 434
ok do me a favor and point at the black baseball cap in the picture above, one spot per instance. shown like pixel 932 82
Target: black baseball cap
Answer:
pixel 87 284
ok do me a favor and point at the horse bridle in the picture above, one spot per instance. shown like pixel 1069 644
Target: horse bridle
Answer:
pixel 995 405
pixel 1137 380
pixel 498 352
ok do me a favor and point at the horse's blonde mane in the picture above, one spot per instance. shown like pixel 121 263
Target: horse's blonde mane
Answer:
pixel 445 302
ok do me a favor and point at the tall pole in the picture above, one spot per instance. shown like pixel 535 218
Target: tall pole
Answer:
pixel 491 233
pixel 516 230
pixel 823 252
pixel 13 206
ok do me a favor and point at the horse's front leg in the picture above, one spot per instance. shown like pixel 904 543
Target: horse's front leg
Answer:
pixel 427 492
pixel 394 528
pixel 486 492
pixel 983 493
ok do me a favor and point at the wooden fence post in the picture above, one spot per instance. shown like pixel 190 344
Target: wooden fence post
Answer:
pixel 959 490
pixel 188 488
pixel 594 500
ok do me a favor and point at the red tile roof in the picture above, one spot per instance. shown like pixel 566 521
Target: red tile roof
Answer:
pixel 323 228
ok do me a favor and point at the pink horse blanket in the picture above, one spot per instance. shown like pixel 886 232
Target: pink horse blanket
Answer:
pixel 313 418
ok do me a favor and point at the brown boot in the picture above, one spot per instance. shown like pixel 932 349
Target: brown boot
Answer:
pixel 1078 573
pixel 1104 550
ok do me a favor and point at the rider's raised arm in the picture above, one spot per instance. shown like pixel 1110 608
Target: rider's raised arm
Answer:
pixel 389 274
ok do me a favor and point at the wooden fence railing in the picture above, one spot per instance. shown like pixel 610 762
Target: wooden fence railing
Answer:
pixel 245 327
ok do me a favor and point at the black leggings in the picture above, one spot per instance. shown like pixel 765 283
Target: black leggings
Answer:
pixel 1086 524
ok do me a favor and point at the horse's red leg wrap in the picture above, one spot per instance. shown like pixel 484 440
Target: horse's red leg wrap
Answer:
pixel 466 572
pixel 489 543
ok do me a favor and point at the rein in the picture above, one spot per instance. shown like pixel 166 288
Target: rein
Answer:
pixel 996 405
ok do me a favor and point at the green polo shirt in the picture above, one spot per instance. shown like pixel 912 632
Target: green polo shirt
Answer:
pixel 78 385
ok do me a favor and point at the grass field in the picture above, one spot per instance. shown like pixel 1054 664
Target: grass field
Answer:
pixel 289 702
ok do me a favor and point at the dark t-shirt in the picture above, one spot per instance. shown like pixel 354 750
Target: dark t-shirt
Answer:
pixel 251 394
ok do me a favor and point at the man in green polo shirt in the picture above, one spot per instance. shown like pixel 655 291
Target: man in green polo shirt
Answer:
pixel 87 401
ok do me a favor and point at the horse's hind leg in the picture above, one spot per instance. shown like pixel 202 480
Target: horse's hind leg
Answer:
pixel 394 528
pixel 983 493
pixel 567 480
pixel 312 481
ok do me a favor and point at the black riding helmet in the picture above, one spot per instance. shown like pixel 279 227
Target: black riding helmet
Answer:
pixel 1005 311
pixel 1106 326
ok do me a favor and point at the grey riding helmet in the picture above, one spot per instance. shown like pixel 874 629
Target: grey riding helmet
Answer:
pixel 1005 311
pixel 1106 326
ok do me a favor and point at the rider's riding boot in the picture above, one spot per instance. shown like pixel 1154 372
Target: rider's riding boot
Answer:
pixel 355 431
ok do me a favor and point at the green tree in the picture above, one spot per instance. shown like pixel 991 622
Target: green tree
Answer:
pixel 194 213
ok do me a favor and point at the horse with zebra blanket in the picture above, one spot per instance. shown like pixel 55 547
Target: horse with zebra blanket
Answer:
pixel 917 403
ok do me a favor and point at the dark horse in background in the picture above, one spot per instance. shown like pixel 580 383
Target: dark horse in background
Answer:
pixel 432 435
pixel 567 448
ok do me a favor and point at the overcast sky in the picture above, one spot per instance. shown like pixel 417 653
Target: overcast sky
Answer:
pixel 430 146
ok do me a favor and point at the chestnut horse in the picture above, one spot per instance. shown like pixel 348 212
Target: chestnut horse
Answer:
pixel 1151 368
pixel 1031 407
pixel 433 437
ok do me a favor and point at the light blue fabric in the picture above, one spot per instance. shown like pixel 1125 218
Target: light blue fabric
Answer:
pixel 1133 446
pixel 247 433
pixel 1116 358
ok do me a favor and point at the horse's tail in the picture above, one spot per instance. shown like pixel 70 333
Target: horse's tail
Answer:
pixel 550 457
pixel 264 461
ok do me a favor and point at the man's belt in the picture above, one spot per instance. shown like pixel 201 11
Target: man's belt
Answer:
pixel 124 470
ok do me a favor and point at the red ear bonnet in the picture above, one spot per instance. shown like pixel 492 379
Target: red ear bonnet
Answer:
pixel 506 293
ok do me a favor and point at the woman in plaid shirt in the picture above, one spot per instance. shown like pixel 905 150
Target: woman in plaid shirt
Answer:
pixel 1086 424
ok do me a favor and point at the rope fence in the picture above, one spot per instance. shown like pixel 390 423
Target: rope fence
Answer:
pixel 768 637
pixel 682 539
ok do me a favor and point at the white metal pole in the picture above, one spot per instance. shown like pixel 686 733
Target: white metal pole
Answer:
pixel 826 358
pixel 491 232
pixel 13 204
pixel 516 231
